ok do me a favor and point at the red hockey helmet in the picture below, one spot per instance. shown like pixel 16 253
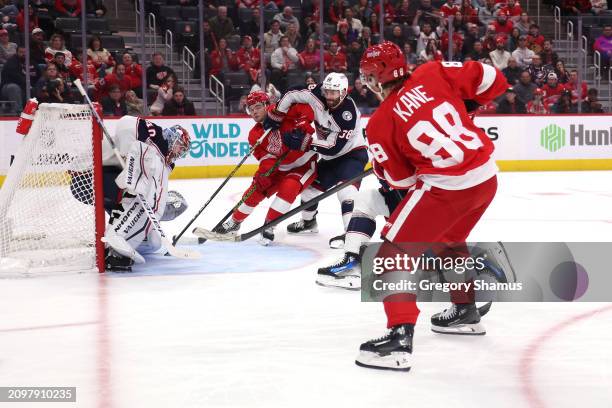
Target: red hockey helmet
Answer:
pixel 382 63
pixel 256 97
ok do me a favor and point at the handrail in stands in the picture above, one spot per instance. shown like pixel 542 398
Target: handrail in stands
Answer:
pixel 597 67
pixel 187 65
pixel 218 91
pixel 152 26
pixel 584 45
pixel 570 38
pixel 557 22
pixel 169 46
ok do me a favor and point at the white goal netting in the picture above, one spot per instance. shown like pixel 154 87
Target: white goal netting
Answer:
pixel 47 212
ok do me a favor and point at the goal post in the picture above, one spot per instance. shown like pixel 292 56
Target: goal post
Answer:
pixel 51 203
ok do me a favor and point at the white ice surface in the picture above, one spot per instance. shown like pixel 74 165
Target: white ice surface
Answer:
pixel 247 327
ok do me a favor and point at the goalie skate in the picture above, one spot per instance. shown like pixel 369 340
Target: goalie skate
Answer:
pixel 345 273
pixel 458 319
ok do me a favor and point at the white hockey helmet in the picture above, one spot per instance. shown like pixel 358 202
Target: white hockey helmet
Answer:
pixel 336 81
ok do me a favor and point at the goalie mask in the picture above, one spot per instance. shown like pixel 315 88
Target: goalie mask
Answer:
pixel 335 89
pixel 179 141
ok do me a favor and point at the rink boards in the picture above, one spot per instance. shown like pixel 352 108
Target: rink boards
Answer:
pixel 522 143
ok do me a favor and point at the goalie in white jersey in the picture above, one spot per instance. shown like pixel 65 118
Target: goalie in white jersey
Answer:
pixel 150 153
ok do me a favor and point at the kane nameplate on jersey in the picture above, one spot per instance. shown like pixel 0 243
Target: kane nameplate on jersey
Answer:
pixel 410 101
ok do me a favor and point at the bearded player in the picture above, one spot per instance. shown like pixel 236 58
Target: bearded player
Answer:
pixel 422 133
pixel 295 170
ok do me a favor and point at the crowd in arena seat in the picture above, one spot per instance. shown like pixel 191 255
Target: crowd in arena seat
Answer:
pixel 496 32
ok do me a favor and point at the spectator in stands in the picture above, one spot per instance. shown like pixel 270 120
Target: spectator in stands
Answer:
pixel 489 41
pixel 426 13
pixel 210 39
pixel 469 13
pixel 564 104
pixel 603 44
pixel 500 56
pixel 37 47
pixel 101 58
pixel 503 25
pixel 64 71
pixel 373 24
pixel 179 105
pixel 561 72
pixel 549 57
pixel 363 97
pixel 283 59
pixel 222 60
pixel 363 9
pixel 457 45
pixel 424 34
pixel 7 48
pixel 478 53
pixel 575 7
pixel 353 57
pixel 55 92
pixel 95 8
pixel 535 40
pixel 513 41
pixel 270 89
pixel 248 58
pixel 114 104
pixel 538 71
pixel 135 106
pixel 272 37
pixel 335 60
pixel 510 104
pixel 574 83
pixel 310 57
pixel 512 72
pixel 522 54
pixel 537 105
pixel 552 88
pixel 286 17
pixel 118 77
pixel 133 71
pixel 397 36
pixel 221 25
pixel 49 74
pixel 524 23
pixel 56 44
pixel 344 36
pixel 157 72
pixel 354 24
pixel 431 53
pixel 164 94
pixel 411 57
pixel 310 81
pixel 76 72
pixel 389 11
pixel 21 19
pixel 336 11
pixel 310 13
pixel 315 34
pixel 460 25
pixel 487 13
pixel 13 87
pixel 295 39
pixel 449 8
pixel 513 10
pixel 591 103
pixel 525 87
pixel 366 39
pixel 471 36
pixel 247 3
pixel 68 8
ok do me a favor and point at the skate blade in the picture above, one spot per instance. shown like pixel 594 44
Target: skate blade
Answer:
pixel 394 361
pixel 264 242
pixel 308 231
pixel 214 236
pixel 474 329
pixel 350 282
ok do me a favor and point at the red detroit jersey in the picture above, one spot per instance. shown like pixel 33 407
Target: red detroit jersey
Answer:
pixel 300 116
pixel 423 131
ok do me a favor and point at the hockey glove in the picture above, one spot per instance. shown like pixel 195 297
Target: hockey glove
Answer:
pixel 262 182
pixel 297 140
pixel 273 120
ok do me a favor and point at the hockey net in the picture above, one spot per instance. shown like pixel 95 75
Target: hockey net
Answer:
pixel 51 203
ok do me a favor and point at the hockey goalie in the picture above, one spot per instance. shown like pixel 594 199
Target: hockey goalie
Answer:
pixel 150 153
pixel 281 171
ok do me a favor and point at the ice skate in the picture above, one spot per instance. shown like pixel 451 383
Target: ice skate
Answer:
pixel 393 351
pixel 458 319
pixel 345 273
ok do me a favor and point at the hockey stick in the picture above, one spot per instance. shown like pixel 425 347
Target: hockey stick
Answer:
pixel 172 250
pixel 203 234
pixel 259 141
pixel 243 237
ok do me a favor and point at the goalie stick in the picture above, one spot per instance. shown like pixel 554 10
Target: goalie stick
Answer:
pixel 201 232
pixel 250 152
pixel 172 250
pixel 215 236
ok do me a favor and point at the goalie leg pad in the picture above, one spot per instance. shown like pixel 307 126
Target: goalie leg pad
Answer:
pixel 121 246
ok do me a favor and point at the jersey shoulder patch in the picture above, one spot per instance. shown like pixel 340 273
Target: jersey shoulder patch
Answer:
pixel 346 114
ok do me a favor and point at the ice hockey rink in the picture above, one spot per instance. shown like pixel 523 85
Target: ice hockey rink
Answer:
pixel 246 326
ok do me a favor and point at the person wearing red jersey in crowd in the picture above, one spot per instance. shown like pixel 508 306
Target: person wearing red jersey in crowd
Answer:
pixel 344 36
pixel 449 8
pixel 56 44
pixel 118 77
pixel 537 105
pixel 249 58
pixel 423 139
pixel 512 9
pixel 68 8
pixel 132 70
pixel 222 59
pixel 20 19
pixel 577 87
pixel 388 9
pixel 335 60
pixel 431 52
pixel 297 170
pixel 503 25
pixel 310 57
pixel 535 40
pixel 457 43
pixel 575 7
pixel 470 14
pixel 552 88
pixel 336 10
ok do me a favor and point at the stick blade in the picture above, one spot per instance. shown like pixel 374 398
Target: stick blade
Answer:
pixel 214 236
pixel 180 252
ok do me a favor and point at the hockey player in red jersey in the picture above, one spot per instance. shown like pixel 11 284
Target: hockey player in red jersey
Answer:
pixel 422 138
pixel 296 171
